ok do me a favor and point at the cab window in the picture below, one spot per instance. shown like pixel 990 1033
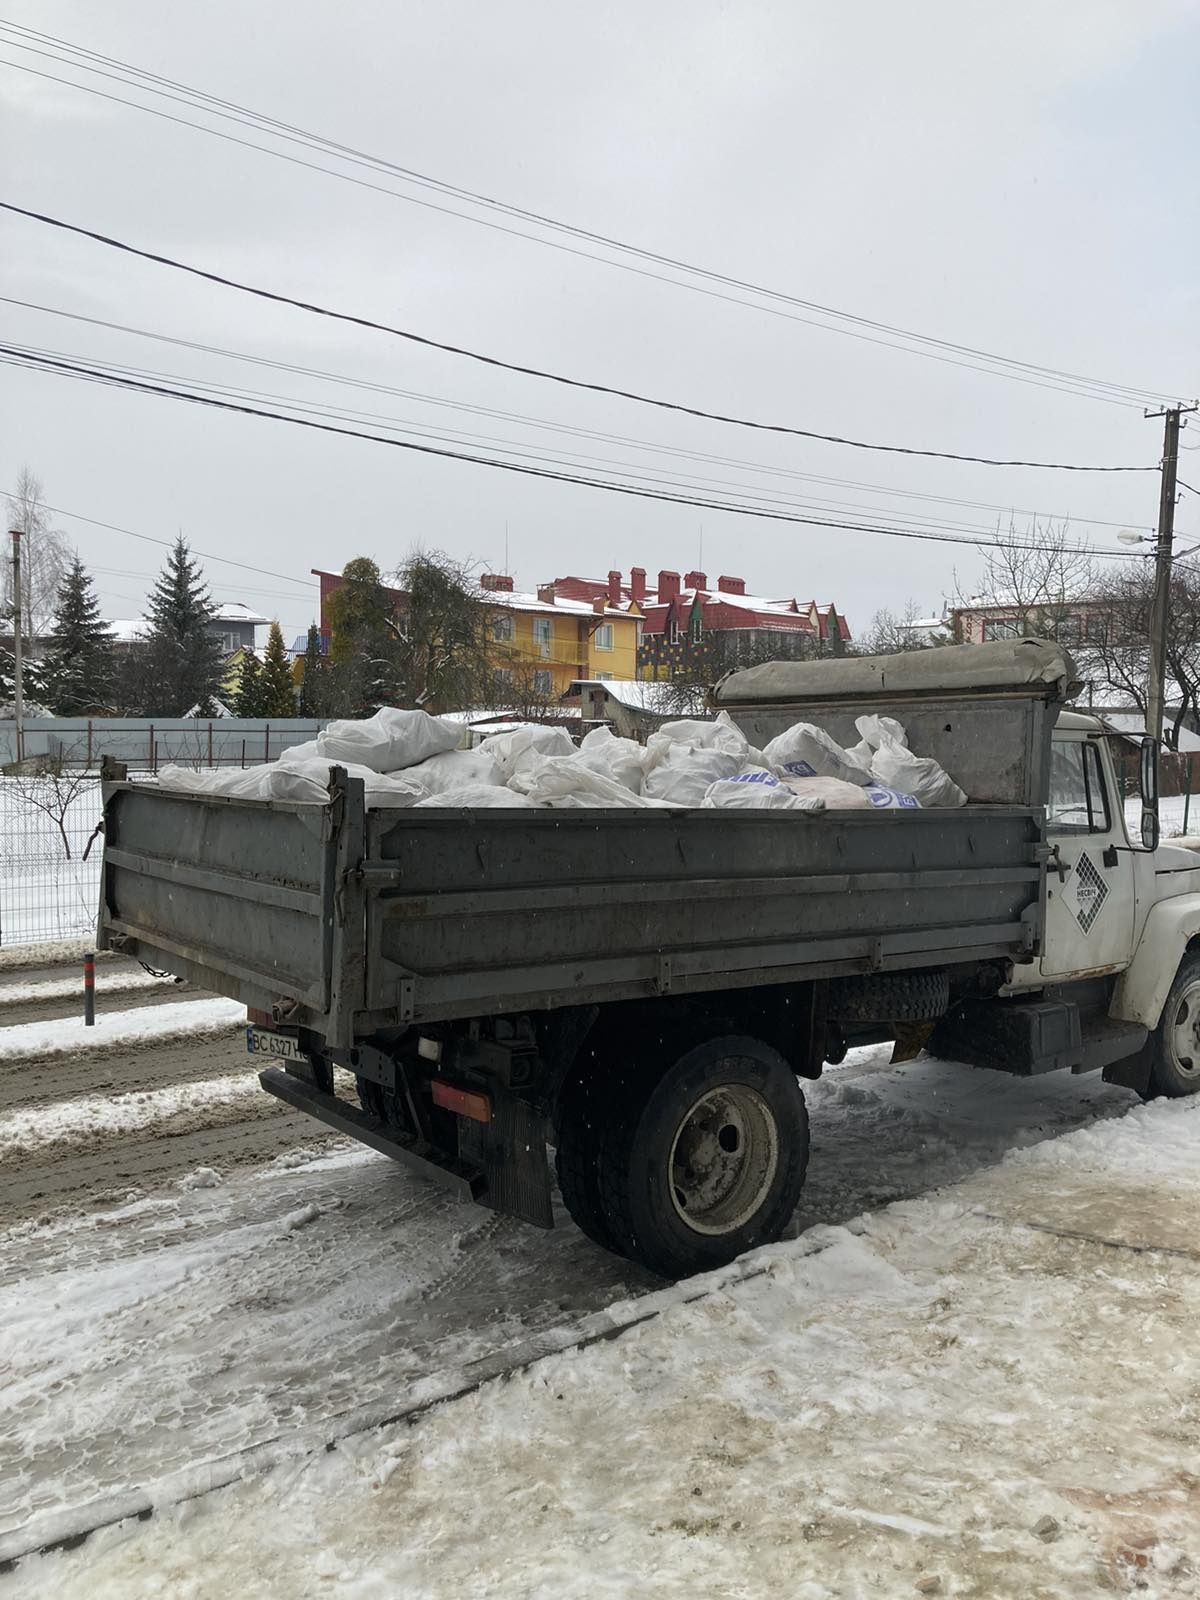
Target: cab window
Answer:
pixel 1077 803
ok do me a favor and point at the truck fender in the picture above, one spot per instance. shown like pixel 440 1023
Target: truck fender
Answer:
pixel 1141 990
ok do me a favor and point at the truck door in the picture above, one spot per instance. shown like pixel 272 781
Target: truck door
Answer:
pixel 1090 892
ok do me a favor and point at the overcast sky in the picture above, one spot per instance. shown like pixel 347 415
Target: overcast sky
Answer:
pixel 1020 178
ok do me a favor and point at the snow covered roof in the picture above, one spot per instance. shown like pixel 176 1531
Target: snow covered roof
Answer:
pixel 1133 722
pixel 129 632
pixel 235 611
pixel 638 696
pixel 508 600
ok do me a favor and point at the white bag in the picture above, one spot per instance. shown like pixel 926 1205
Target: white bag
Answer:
pixel 389 740
pixel 722 733
pixel 565 781
pixel 621 759
pixel 757 790
pixel 874 731
pixel 379 789
pixel 271 782
pixel 683 775
pixel 806 751
pixel 833 793
pixel 455 768
pixel 519 749
pixel 895 767
pixel 475 797
pixel 890 799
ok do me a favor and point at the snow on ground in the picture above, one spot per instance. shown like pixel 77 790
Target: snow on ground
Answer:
pixel 963 1394
pixel 68 1035
pixel 36 1127
pixel 36 990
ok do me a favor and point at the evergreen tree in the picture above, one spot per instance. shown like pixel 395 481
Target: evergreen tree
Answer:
pixel 312 687
pixel 183 656
pixel 80 670
pixel 279 696
pixel 250 699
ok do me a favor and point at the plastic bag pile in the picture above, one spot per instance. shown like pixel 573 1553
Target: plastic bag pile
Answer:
pixel 408 758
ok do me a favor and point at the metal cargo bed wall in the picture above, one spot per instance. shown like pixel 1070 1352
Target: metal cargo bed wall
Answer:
pixel 501 911
pixel 228 893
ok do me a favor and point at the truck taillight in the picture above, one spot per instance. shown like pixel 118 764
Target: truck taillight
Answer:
pixel 259 1019
pixel 471 1103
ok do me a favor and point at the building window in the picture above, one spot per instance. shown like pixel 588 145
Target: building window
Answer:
pixel 603 636
pixel 543 635
pixel 697 627
pixel 676 631
pixel 604 677
pixel 502 680
pixel 1000 628
pixel 502 627
pixel 543 683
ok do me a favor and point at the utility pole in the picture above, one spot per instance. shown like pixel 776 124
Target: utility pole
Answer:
pixel 18 698
pixel 1156 687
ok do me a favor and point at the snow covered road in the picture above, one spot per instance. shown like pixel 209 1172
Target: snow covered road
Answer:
pixel 210 1279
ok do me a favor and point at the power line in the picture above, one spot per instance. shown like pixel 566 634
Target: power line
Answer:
pixel 536 372
pixel 571 429
pixel 86 60
pixel 584 462
pixel 169 544
pixel 114 380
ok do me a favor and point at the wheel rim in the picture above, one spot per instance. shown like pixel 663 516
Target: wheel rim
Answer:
pixel 723 1159
pixel 1183 1040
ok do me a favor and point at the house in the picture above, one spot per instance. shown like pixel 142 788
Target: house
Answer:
pixel 633 707
pixel 1068 622
pixel 686 622
pixel 231 623
pixel 541 640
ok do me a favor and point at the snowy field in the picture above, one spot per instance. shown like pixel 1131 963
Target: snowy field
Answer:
pixel 982 1327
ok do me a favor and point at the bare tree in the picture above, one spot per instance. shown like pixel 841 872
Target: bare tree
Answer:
pixel 1114 648
pixel 53 791
pixel 1038 575
pixel 522 690
pixel 45 558
pixel 890 632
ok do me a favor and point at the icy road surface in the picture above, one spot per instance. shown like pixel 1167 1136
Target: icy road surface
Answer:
pixel 201 1273
pixel 992 1392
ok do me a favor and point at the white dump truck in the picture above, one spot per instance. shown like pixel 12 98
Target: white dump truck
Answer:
pixel 647 989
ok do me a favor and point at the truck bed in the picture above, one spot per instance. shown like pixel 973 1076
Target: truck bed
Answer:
pixel 355 920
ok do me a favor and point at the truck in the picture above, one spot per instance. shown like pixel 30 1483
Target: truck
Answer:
pixel 646 990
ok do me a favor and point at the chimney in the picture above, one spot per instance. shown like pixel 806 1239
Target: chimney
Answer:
pixel 600 604
pixel 546 593
pixel 731 585
pixel 695 580
pixel 668 586
pixel 614 588
pixel 495 581
pixel 637 585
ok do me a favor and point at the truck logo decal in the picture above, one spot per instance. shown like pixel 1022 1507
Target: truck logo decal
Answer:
pixel 1086 892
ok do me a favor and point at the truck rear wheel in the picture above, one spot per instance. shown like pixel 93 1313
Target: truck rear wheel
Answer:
pixel 1175 1066
pixel 578 1118
pixel 703 1158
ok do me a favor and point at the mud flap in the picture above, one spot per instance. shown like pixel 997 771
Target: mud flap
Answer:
pixel 511 1150
pixel 911 1039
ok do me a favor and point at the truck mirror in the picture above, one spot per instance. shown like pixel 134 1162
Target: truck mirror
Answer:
pixel 1150 829
pixel 1148 773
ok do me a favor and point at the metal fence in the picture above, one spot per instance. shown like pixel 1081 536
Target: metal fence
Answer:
pixel 50 850
pixel 155 742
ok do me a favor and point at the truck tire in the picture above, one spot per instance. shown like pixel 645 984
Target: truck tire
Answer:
pixel 701 1157
pixel 1175 1062
pixel 890 997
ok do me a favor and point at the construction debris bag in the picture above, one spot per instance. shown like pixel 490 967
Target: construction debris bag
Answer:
pixel 622 759
pixel 721 733
pixel 476 797
pixel 757 790
pixel 455 768
pixel 683 775
pixel 388 741
pixel 566 781
pixel 896 767
pixel 270 782
pixel 522 748
pixel 806 751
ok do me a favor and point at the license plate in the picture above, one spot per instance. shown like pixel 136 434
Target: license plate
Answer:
pixel 262 1042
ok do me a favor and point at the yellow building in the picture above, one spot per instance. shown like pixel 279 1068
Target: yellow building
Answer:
pixel 544 641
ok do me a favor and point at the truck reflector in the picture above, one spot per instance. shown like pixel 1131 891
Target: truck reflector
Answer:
pixel 471 1103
